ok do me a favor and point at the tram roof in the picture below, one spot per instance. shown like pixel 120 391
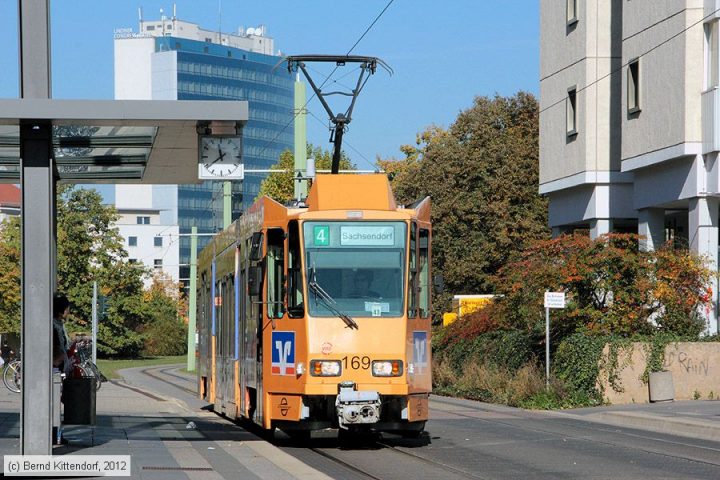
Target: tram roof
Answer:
pixel 348 192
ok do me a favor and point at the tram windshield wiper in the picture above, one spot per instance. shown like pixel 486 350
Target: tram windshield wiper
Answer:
pixel 329 303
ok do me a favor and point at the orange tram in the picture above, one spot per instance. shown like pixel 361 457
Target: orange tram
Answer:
pixel 319 317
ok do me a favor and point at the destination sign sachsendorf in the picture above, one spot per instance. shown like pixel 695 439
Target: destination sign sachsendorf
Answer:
pixel 367 235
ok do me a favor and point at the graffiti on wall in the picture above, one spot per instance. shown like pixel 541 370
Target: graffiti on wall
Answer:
pixel 686 363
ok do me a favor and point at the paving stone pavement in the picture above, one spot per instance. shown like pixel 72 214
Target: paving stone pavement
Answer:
pixel 155 431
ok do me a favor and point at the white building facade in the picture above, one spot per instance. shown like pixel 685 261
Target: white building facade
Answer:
pixel 148 240
pixel 630 120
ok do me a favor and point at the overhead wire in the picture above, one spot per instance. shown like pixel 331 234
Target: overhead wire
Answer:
pixel 304 107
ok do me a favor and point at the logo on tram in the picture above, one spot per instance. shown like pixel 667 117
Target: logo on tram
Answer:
pixel 283 353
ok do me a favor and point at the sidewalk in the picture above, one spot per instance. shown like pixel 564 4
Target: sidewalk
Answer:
pixel 688 418
pixel 156 431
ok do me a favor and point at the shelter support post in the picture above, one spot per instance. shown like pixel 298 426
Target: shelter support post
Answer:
pixel 38 213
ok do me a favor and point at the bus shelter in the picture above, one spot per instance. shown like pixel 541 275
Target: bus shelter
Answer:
pixel 44 141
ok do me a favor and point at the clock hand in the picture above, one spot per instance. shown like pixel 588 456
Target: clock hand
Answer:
pixel 220 157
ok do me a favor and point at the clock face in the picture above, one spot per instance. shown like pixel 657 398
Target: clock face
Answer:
pixel 220 157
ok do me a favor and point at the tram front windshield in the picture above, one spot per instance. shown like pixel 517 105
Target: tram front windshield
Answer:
pixel 359 265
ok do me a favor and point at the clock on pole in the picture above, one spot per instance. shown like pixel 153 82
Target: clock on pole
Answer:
pixel 220 157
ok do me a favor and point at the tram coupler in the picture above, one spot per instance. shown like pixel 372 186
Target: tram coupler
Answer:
pixel 356 407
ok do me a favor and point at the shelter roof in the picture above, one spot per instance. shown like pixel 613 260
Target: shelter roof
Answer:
pixel 116 141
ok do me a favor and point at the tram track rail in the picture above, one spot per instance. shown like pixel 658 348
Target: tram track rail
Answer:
pixel 162 373
pixel 324 451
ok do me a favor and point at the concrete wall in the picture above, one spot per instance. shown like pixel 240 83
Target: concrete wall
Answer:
pixel 164 76
pixel 583 55
pixel 671 76
pixel 590 201
pixel 695 367
pixel 132 68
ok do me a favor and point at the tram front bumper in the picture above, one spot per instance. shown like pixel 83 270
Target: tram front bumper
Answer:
pixel 357 407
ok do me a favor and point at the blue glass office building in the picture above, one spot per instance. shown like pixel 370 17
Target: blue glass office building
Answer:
pixel 210 71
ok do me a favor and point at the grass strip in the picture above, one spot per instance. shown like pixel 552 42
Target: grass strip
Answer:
pixel 110 368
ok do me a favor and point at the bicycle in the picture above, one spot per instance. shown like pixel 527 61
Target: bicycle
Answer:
pixel 82 365
pixel 12 375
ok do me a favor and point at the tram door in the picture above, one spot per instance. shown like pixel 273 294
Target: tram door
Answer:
pixel 203 328
pixel 224 321
pixel 252 342
pixel 240 299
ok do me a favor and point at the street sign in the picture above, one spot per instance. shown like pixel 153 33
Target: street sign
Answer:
pixel 554 299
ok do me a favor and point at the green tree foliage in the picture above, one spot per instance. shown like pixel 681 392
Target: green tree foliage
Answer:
pixel 280 186
pixel 10 276
pixel 90 248
pixel 482 175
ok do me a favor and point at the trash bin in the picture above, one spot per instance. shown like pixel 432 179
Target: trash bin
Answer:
pixel 79 400
pixel 57 388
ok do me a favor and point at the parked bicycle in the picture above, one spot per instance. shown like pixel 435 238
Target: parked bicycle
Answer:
pixel 82 365
pixel 12 375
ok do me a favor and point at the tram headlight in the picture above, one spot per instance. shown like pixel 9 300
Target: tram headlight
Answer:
pixel 387 368
pixel 325 368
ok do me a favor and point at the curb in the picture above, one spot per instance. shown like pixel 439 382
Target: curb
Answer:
pixel 684 427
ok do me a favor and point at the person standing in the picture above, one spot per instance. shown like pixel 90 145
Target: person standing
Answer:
pixel 6 353
pixel 61 342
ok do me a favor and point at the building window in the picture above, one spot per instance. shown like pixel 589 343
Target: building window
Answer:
pixel 158 262
pixel 143 220
pixel 150 28
pixel 132 241
pixel 633 86
pixel 571 111
pixel 572 11
pixel 132 260
pixel 712 52
pixel 158 241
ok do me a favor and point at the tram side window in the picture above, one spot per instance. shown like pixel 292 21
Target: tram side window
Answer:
pixel 424 272
pixel 275 272
pixel 412 290
pixel 296 308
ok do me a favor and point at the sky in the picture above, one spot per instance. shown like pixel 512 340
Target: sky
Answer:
pixel 443 54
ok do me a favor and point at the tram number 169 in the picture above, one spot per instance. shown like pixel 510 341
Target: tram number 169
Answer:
pixel 356 363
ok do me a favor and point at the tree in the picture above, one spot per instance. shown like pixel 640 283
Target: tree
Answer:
pixel 10 276
pixel 165 329
pixel 482 175
pixel 280 185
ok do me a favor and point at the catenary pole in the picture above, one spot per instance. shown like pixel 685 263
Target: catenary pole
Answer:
pixel 193 301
